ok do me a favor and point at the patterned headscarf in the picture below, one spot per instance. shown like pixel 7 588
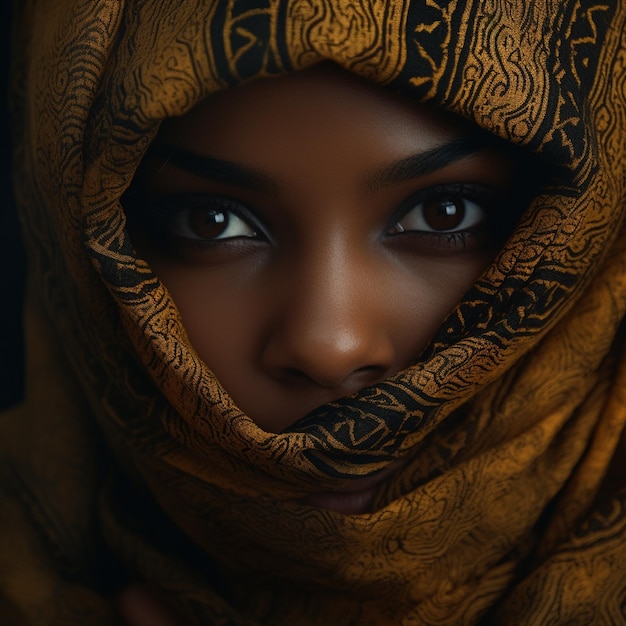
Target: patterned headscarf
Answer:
pixel 129 460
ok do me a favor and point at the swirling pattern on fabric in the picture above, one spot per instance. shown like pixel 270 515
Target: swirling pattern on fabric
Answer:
pixel 511 509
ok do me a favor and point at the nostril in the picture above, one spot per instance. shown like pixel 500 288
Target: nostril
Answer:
pixel 373 372
pixel 369 369
pixel 346 383
pixel 322 350
pixel 321 377
pixel 369 375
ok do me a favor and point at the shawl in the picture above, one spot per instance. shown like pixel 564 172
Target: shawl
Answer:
pixel 129 461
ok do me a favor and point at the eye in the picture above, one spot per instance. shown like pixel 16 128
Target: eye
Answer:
pixel 445 213
pixel 209 224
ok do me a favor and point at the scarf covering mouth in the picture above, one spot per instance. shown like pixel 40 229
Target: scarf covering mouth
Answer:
pixel 127 457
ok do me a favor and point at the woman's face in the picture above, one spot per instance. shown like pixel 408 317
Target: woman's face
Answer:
pixel 314 231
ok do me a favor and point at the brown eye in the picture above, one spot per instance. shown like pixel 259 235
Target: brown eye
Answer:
pixel 440 215
pixel 209 224
pixel 444 214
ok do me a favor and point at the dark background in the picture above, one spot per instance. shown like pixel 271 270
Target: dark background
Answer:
pixel 11 252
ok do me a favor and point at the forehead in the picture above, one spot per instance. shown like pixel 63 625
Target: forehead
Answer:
pixel 321 107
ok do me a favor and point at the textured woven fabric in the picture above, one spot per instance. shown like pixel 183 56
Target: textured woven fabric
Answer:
pixel 514 513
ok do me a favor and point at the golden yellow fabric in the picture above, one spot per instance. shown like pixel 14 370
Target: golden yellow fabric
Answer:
pixel 511 511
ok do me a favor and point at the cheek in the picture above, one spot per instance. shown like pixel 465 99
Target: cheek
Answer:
pixel 221 316
pixel 227 311
pixel 232 313
pixel 427 290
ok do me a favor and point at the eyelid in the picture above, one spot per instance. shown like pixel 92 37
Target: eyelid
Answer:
pixel 478 193
pixel 165 208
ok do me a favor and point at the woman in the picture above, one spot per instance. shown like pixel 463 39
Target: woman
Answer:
pixel 498 433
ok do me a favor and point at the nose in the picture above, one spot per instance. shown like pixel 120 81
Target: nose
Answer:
pixel 332 325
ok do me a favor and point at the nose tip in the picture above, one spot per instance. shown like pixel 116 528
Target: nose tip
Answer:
pixel 345 361
pixel 331 322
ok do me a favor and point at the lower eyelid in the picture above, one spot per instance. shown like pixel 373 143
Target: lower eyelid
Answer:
pixel 214 250
pixel 433 244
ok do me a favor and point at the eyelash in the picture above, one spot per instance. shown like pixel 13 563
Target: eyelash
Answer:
pixel 482 198
pixel 164 218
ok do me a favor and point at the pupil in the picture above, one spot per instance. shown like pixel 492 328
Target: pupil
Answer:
pixel 444 214
pixel 208 224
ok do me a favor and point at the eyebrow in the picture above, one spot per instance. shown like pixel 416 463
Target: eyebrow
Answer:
pixel 240 176
pixel 426 162
pixel 214 169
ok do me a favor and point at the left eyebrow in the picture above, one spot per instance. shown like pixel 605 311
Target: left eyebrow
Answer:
pixel 218 170
pixel 424 163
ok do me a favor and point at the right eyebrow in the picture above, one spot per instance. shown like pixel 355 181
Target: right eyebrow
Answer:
pixel 218 170
pixel 425 162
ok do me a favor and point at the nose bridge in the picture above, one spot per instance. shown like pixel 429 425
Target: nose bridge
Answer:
pixel 330 322
pixel 331 289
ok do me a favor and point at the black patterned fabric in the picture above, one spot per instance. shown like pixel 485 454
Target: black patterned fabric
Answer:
pixel 127 450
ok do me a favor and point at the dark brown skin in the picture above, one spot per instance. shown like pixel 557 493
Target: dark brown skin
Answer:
pixel 331 298
pixel 324 276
